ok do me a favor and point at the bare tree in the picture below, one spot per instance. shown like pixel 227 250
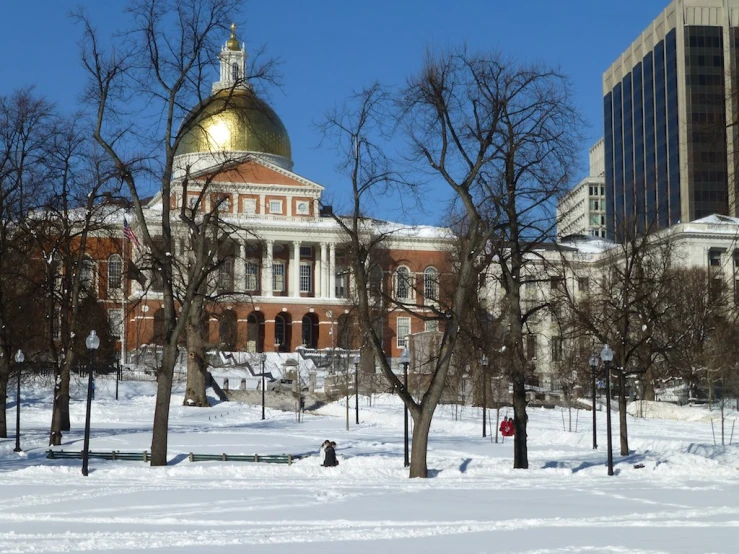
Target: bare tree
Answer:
pixel 503 137
pixel 24 120
pixel 163 60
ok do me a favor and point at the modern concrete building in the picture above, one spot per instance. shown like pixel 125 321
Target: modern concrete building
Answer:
pixel 582 211
pixel 669 110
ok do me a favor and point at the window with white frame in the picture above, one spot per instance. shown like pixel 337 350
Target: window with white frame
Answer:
pixel 431 284
pixel 57 323
pixel 403 283
pixel 252 275
pixel 87 274
pixel 115 320
pixel 115 272
pixel 275 206
pixel 404 329
pixel 278 276
pixel 306 251
pixel 223 203
pixel 226 276
pixel 306 277
pixel 342 284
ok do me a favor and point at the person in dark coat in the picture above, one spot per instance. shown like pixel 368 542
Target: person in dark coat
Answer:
pixel 329 459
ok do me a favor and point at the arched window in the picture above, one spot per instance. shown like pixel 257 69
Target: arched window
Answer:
pixel 375 281
pixel 234 71
pixel 282 343
pixel 310 331
pixel 402 283
pixel 255 332
pixel 158 337
pixel 87 274
pixel 345 339
pixel 115 272
pixel 227 330
pixel 431 284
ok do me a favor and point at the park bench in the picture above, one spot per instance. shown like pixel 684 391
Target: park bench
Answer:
pixel 114 455
pixel 266 459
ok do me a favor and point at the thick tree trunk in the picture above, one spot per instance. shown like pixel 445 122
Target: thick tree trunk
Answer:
pixel 622 414
pixel 648 385
pixel 66 425
pixel 520 420
pixel 55 437
pixel 160 429
pixel 195 391
pixel 4 376
pixel 419 446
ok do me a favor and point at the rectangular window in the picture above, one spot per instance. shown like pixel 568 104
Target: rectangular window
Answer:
pixel 714 258
pixel 115 320
pixel 556 349
pixel 252 275
pixel 583 284
pixel 222 202
pixel 278 276
pixel 226 276
pixel 342 284
pixel 57 323
pixel 555 283
pixel 431 325
pixel 404 329
pixel 306 277
pixel 306 251
pixel 530 347
pixel 275 206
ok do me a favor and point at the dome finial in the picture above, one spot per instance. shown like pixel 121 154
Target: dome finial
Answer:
pixel 232 43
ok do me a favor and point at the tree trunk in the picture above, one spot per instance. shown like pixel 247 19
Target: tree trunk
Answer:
pixel 520 419
pixel 195 391
pixel 419 444
pixel 66 425
pixel 160 430
pixel 55 437
pixel 622 414
pixel 4 376
pixel 648 385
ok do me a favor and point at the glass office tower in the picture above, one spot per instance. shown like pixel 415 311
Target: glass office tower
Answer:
pixel 669 105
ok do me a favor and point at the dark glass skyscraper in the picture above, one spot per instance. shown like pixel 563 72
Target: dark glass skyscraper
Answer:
pixel 669 105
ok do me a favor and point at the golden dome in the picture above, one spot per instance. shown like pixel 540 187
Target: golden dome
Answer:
pixel 232 43
pixel 234 121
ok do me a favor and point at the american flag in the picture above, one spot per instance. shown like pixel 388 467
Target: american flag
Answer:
pixel 129 234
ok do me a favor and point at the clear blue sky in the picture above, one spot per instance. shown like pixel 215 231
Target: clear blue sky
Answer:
pixel 330 47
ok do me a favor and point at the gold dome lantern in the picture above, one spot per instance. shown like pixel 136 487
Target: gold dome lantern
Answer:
pixel 232 43
pixel 234 120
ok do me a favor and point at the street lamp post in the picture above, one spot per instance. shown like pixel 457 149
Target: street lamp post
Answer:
pixel 593 367
pixel 263 358
pixel 356 389
pixel 19 357
pixel 92 342
pixel 606 354
pixel 405 359
pixel 484 365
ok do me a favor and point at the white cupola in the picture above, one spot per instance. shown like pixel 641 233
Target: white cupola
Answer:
pixel 233 65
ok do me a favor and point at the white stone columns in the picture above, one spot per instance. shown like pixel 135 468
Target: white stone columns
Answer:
pixel 295 271
pixel 332 271
pixel 266 283
pixel 322 272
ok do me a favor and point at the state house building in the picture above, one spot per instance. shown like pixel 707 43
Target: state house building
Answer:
pixel 286 282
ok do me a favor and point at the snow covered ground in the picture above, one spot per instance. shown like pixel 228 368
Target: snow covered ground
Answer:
pixel 684 500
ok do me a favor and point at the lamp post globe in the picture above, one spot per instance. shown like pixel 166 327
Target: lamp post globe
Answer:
pixel 405 359
pixel 92 342
pixel 19 358
pixel 606 354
